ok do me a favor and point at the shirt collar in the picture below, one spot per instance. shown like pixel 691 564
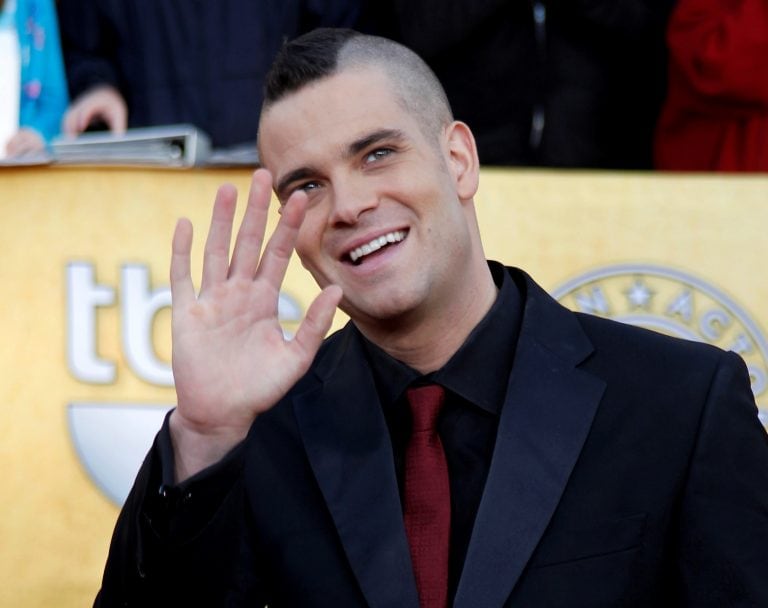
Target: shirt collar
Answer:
pixel 479 370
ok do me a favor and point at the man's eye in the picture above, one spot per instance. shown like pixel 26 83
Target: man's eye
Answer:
pixel 378 154
pixel 308 186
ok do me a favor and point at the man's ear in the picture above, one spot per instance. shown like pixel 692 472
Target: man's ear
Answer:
pixel 463 160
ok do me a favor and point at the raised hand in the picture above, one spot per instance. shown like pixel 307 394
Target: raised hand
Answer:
pixel 230 359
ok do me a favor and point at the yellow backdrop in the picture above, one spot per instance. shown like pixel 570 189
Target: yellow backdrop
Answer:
pixel 86 327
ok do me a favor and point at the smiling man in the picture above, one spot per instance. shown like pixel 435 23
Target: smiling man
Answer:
pixel 464 440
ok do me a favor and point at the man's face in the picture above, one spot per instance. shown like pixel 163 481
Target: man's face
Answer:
pixel 386 219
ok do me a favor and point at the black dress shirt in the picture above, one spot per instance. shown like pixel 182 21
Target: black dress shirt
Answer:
pixel 475 379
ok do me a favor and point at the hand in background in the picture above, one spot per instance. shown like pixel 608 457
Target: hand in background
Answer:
pixel 231 361
pixel 101 103
pixel 25 141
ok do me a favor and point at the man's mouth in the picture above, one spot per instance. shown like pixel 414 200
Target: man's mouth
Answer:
pixel 356 255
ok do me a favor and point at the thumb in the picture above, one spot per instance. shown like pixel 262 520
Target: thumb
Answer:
pixel 317 322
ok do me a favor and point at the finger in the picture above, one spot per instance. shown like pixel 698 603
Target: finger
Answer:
pixel 318 321
pixel 87 113
pixel 279 249
pixel 26 141
pixel 250 237
pixel 16 145
pixel 69 124
pixel 182 290
pixel 116 117
pixel 216 255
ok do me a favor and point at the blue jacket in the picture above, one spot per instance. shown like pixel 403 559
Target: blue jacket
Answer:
pixel 43 84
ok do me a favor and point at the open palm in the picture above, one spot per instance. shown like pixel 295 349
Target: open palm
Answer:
pixel 230 359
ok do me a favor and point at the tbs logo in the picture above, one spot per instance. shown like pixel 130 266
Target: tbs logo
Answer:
pixel 111 438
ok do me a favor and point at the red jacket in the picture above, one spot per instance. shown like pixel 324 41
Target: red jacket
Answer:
pixel 716 113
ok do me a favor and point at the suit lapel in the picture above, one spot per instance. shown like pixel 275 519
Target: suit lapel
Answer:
pixel 348 446
pixel 547 414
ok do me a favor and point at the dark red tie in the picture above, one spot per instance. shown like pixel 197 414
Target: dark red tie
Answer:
pixel 427 511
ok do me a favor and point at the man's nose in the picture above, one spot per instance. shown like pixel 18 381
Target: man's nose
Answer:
pixel 351 199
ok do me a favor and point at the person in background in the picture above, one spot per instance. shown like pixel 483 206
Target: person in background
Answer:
pixel 31 63
pixel 715 117
pixel 558 83
pixel 140 63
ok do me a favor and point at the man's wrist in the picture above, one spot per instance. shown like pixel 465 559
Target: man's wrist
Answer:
pixel 195 448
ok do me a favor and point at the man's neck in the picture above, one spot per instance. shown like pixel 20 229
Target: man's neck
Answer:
pixel 426 341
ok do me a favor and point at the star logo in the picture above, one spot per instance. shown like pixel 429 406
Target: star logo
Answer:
pixel 675 303
pixel 639 295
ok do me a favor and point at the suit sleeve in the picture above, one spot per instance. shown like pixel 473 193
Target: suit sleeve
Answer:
pixel 723 546
pixel 184 544
pixel 88 43
pixel 328 13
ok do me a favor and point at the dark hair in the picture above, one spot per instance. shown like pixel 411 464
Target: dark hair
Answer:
pixel 324 52
pixel 309 57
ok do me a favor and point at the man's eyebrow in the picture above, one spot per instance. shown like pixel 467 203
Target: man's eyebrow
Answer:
pixel 352 150
pixel 370 139
pixel 294 176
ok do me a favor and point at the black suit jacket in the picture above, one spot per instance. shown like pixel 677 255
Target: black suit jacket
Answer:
pixel 630 469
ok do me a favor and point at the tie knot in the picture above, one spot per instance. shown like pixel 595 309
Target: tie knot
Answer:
pixel 425 402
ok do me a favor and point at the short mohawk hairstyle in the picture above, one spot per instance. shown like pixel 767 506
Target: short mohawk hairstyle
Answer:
pixel 305 59
pixel 326 51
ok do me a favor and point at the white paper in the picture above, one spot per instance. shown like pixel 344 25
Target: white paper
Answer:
pixel 10 85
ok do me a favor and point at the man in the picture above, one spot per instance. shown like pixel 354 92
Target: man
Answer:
pixel 590 463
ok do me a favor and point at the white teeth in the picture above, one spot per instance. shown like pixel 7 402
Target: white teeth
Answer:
pixel 376 244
